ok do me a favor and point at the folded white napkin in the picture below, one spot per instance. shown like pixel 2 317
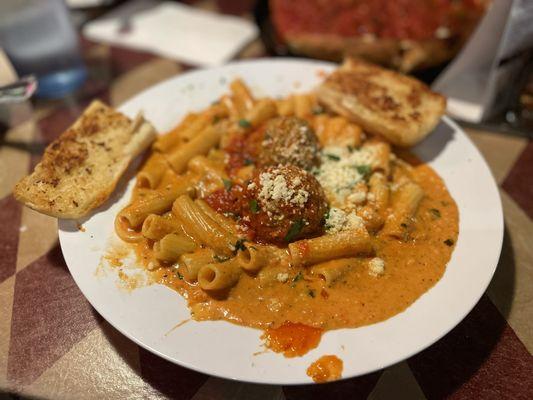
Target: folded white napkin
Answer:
pixel 480 79
pixel 177 31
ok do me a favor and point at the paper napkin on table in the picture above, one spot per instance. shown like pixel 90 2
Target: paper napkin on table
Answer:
pixel 177 31
pixel 479 83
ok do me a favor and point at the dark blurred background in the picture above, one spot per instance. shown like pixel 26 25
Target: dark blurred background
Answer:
pixel 419 37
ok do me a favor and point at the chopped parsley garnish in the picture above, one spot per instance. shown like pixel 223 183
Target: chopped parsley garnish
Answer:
pixel 254 206
pixel 403 225
pixel 325 219
pixel 299 276
pixel 244 123
pixel 350 148
pixel 216 119
pixel 311 293
pixel 333 157
pixel 294 230
pixel 326 215
pixel 239 245
pixel 449 242
pixel 435 212
pixel 247 161
pixel 227 184
pixel 220 259
pixel 179 275
pixel 364 170
pixel 318 110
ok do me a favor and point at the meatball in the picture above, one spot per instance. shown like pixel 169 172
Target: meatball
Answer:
pixel 288 140
pixel 287 203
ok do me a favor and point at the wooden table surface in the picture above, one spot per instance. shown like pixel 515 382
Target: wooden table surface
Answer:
pixel 54 345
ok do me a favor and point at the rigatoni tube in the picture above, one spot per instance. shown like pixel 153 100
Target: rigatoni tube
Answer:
pixel 327 247
pixel 204 229
pixel 405 204
pixel 191 263
pixel 198 145
pixel 172 246
pixel 219 276
pixel 155 227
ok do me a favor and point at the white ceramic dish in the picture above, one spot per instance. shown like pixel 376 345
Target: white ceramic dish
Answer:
pixel 147 314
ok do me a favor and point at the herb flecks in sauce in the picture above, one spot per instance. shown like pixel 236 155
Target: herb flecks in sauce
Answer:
pixel 244 123
pixel 294 230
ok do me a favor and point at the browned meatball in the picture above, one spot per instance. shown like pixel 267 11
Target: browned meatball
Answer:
pixel 287 203
pixel 289 140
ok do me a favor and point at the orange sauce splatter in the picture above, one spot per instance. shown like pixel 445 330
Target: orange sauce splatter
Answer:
pixel 325 369
pixel 177 326
pixel 291 339
pixel 114 260
pixel 115 255
pixel 321 73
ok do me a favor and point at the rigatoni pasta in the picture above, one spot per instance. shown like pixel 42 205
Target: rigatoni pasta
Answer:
pixel 155 226
pixel 205 140
pixel 261 211
pixel 172 246
pixel 340 245
pixel 405 204
pixel 201 227
pixel 219 276
pixel 152 173
pixel 330 271
pixel 190 263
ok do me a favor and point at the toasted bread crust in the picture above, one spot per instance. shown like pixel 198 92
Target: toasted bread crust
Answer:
pixel 80 169
pixel 383 102
pixel 404 55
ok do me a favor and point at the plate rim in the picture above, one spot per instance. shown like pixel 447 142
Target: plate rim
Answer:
pixel 499 218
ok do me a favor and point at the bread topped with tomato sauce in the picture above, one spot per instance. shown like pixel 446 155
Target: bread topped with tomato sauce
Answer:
pixel 80 169
pixel 405 35
pixel 383 102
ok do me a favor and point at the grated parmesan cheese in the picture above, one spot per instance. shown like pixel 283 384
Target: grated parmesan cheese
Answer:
pixel 339 173
pixel 376 267
pixel 275 188
pixel 338 220
pixel 358 197
pixel 335 220
pixel 354 222
pixel 282 277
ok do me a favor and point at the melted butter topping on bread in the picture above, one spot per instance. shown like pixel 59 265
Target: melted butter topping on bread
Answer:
pixel 80 169
pixel 383 102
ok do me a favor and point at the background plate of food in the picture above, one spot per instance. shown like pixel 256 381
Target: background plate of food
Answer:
pixel 405 35
pixel 351 272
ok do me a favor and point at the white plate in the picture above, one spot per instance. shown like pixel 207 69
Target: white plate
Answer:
pixel 219 348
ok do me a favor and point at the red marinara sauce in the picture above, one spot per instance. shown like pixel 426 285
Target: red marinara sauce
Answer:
pixel 399 19
pixel 242 150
